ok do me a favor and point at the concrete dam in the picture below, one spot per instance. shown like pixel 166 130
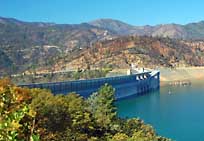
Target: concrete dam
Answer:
pixel 125 86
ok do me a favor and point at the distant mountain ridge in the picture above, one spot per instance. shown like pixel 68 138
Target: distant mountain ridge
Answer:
pixel 188 31
pixel 194 31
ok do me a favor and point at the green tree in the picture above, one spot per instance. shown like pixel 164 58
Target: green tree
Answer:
pixel 101 105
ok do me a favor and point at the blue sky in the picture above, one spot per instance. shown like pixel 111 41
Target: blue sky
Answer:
pixel 136 12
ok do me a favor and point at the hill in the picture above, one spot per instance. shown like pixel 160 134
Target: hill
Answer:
pixel 49 46
pixel 144 51
pixel 25 45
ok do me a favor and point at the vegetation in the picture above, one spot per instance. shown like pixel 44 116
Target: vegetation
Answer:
pixel 36 114
pixel 17 119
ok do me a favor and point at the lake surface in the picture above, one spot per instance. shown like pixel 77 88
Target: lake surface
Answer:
pixel 178 115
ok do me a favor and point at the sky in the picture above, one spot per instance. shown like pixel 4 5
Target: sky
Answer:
pixel 135 12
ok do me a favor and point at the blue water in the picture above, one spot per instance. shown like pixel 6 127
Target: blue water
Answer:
pixel 179 115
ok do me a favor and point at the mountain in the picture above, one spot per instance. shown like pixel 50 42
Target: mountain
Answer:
pixel 27 45
pixel 121 28
pixel 116 26
pixel 38 33
pixel 193 31
pixel 33 45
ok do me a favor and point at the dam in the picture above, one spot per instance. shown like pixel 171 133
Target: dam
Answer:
pixel 125 86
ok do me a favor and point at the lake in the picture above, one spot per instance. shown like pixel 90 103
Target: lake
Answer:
pixel 176 112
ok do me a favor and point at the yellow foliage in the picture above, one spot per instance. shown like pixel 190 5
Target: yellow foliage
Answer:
pixel 120 137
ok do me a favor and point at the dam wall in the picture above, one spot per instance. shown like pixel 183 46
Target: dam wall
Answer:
pixel 125 86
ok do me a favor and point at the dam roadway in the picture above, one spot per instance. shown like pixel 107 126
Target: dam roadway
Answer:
pixel 125 86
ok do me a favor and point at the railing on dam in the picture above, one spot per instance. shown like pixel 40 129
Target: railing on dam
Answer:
pixel 124 85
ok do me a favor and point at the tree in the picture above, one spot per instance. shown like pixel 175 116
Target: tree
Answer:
pixel 101 105
pixel 17 119
pixel 52 116
pixel 62 117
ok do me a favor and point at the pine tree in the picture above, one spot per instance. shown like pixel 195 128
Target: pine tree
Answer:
pixel 101 104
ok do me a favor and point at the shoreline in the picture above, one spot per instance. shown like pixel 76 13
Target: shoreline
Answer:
pixel 181 75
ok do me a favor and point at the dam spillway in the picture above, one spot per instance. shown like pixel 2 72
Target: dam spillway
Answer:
pixel 125 86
